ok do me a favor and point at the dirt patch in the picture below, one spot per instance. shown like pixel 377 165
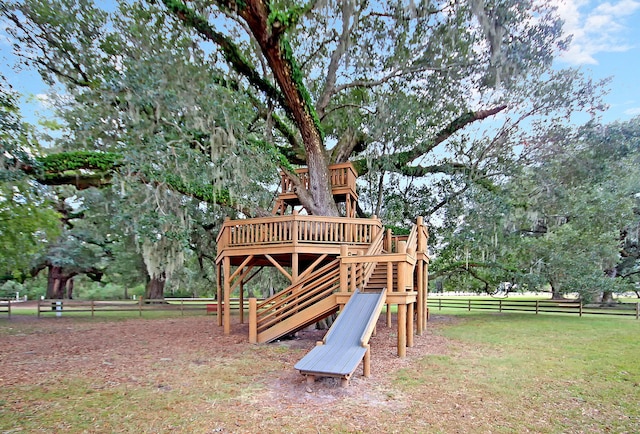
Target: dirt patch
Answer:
pixel 35 350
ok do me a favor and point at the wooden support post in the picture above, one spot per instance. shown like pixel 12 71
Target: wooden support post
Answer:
pixel 402 330
pixel 311 379
pixel 388 315
pixel 420 301
pixel 93 307
pixel 295 270
pixel 295 228
pixel 386 242
pixel 219 293
pixel 253 320
pixel 344 269
pixel 390 287
pixel 366 362
pixel 426 293
pixel 226 298
pixel 241 307
pixel 410 325
pixel 580 308
pixel 38 308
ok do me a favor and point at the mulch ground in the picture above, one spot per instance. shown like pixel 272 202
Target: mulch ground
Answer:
pixel 37 349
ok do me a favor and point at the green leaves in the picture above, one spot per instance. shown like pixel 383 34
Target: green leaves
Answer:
pixel 60 162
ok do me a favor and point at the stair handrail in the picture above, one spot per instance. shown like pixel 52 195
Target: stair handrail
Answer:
pixel 374 249
pixel 298 295
pixel 412 240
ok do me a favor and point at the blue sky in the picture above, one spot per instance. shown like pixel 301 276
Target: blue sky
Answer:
pixel 606 42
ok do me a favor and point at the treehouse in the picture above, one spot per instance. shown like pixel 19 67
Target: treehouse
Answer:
pixel 326 260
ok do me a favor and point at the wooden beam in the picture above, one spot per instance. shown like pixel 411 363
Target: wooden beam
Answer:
pixel 226 266
pixel 253 321
pixel 240 280
pixel 294 267
pixel 241 266
pixel 313 266
pixel 420 303
pixel 219 293
pixel 402 330
pixel 410 325
pixel 279 267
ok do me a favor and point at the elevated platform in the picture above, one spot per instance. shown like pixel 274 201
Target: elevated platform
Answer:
pixel 343 187
pixel 282 236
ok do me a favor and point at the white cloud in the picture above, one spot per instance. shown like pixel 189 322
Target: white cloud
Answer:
pixel 595 29
pixel 632 111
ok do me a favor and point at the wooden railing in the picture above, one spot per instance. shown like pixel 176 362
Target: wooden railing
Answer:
pixel 356 274
pixel 342 175
pixel 401 262
pixel 344 275
pixel 292 300
pixel 297 229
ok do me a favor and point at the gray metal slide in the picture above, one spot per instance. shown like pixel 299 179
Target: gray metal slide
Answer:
pixel 345 342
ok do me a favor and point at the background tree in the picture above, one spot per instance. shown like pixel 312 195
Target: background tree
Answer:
pixel 567 220
pixel 28 222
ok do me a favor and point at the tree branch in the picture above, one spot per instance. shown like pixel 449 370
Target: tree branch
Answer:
pixel 230 50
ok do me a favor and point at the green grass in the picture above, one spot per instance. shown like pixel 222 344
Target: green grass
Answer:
pixel 543 373
pixel 477 372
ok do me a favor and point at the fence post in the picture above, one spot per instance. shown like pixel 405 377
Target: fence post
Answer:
pixel 140 305
pixel 9 309
pixel 537 306
pixel 637 310
pixel 469 305
pixel 182 307
pixel 500 306
pixel 92 307
pixel 581 308
pixel 439 304
pixel 38 308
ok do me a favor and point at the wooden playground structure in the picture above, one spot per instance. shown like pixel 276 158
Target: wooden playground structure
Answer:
pixel 326 259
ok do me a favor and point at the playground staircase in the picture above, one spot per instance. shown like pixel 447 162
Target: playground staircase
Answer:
pixel 298 306
pixel 378 279
pixel 312 299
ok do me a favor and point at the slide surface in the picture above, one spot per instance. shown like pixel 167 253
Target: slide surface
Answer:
pixel 343 347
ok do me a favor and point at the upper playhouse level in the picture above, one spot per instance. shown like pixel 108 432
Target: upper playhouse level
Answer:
pixel 343 185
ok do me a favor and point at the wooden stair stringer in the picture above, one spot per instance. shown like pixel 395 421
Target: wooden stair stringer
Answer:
pixel 300 320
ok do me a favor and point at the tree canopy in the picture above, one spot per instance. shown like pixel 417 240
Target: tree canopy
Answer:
pixel 188 110
pixel 392 86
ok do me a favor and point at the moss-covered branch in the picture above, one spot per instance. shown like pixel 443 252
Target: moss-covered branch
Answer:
pixel 229 49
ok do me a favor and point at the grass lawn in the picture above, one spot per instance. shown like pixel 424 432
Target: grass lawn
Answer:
pixel 472 372
pixel 536 373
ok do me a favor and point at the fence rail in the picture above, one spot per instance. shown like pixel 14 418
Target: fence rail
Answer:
pixel 534 306
pixel 182 305
pixel 5 306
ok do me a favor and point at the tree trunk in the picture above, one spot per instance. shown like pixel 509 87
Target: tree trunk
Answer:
pixel 69 288
pixel 155 287
pixel 318 199
pixel 57 280
pixel 607 298
pixel 555 292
